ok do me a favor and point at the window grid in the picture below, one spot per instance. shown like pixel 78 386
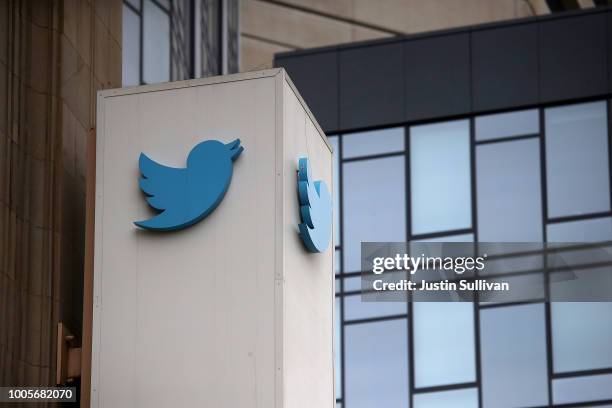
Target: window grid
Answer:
pixel 139 12
pixel 203 37
pixel 341 400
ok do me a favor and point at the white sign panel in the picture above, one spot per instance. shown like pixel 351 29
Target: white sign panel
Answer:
pixel 227 307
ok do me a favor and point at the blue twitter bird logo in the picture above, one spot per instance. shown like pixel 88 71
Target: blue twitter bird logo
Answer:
pixel 315 209
pixel 187 195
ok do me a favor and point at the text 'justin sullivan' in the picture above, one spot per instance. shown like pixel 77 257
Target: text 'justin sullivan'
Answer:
pixel 459 265
pixel 445 285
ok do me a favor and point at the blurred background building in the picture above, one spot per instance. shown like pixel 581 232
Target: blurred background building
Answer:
pixel 511 117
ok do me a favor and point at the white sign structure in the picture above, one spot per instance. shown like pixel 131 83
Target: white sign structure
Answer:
pixel 232 311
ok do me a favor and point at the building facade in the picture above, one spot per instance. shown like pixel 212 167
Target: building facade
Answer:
pixel 53 57
pixel 504 103
pixel 175 40
pixel 493 133
pixel 272 26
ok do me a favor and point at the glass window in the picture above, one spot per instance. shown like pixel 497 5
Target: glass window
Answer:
pixel 374 205
pixel 131 47
pixel 582 335
pixel 440 177
pixel 582 256
pixel 507 124
pixel 376 364
pixel 135 3
pixel 581 332
pixel 450 238
pixel 164 3
pixel 579 285
pixel 352 284
pixel 509 191
pixel 513 355
pixel 595 230
pixel 467 398
pixel 514 264
pixel 156 27
pixel 338 348
pixel 355 308
pixel 373 142
pixel 337 256
pixel 333 140
pixel 579 389
pixel 577 159
pixel 525 286
pixel 440 360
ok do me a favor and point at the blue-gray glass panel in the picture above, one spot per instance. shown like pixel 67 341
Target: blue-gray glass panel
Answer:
pixel 577 171
pixel 338 347
pixel 582 335
pixel 508 124
pixel 440 177
pixel 372 142
pixel 581 332
pixel 513 356
pixel 438 360
pixel 594 230
pixel 467 398
pixel 333 140
pixel 352 284
pixel 131 48
pixel 374 205
pixel 355 308
pixel 509 191
pixel 337 256
pixel 156 39
pixel 164 3
pixel 581 389
pixel 376 364
pixel 532 288
pixel 450 238
pixel 135 3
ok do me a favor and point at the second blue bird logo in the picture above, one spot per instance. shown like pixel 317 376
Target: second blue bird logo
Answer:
pixel 315 209
pixel 187 195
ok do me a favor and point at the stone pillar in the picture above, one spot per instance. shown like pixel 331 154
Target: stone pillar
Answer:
pixel 54 55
